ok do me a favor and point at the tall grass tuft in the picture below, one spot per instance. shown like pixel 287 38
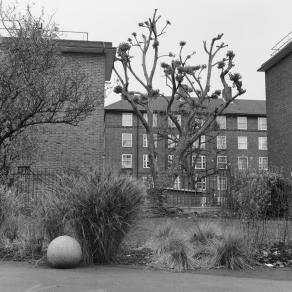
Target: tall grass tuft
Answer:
pixel 172 249
pixel 99 209
pixel 233 252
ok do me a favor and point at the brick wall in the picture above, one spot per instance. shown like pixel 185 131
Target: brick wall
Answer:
pixel 279 111
pixel 74 147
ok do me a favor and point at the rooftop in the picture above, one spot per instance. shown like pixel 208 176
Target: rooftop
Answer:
pixel 238 107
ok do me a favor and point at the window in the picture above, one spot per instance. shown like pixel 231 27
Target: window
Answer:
pixel 154 120
pixel 242 142
pixel 242 123
pixel 171 141
pixel 155 140
pixel 221 121
pixel 171 124
pixel 202 141
pixel 262 124
pixel 242 163
pixel 221 142
pixel 200 161
pixel 126 140
pixel 145 140
pixel 127 120
pixel 263 163
pixel 200 184
pixel 169 161
pixel 263 144
pixel 146 162
pixel 176 184
pixel 126 160
pixel 221 183
pixel 147 180
pixel 221 162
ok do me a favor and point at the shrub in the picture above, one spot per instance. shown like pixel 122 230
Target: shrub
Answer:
pixel 172 249
pixel 259 194
pixel 232 252
pixel 99 209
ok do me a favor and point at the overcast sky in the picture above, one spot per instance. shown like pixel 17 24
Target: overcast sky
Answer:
pixel 250 27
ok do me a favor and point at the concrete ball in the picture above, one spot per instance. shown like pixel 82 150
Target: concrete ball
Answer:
pixel 64 252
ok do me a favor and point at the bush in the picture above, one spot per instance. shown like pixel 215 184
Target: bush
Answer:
pixel 97 209
pixel 172 249
pixel 259 195
pixel 232 252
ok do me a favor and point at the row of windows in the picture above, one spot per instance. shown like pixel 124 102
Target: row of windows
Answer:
pixel 201 142
pixel 127 121
pixel 198 162
pixel 242 142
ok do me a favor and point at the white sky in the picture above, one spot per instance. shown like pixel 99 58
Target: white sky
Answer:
pixel 250 27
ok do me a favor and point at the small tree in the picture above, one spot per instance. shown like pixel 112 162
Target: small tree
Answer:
pixel 37 85
pixel 189 86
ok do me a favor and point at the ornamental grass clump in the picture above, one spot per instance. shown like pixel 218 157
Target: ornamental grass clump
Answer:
pixel 233 252
pixel 99 208
pixel 172 249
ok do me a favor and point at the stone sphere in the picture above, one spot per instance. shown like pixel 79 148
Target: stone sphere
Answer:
pixel 64 252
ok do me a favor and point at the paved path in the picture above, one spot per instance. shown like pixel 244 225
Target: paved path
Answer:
pixel 20 277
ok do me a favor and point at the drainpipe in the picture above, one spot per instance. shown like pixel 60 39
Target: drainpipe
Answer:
pixel 137 147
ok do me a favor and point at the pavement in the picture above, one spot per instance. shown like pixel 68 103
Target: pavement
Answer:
pixel 23 277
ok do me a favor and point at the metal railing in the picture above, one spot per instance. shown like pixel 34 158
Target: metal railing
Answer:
pixel 281 43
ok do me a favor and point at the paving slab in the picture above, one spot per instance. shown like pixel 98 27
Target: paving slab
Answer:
pixel 22 277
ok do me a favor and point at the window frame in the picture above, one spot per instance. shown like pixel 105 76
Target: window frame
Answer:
pixel 260 124
pixel 261 164
pixel 146 161
pixel 245 147
pixel 218 163
pixel 238 164
pixel 239 124
pixel 224 144
pixel 123 120
pixel 201 159
pixel 123 140
pixel 219 122
pixel 261 144
pixel 123 161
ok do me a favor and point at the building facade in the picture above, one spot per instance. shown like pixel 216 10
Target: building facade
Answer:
pixel 61 147
pixel 240 143
pixel 278 78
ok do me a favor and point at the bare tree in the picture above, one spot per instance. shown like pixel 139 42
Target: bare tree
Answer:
pixel 189 86
pixel 37 84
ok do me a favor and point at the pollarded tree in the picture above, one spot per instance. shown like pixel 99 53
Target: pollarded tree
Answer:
pixel 189 90
pixel 37 86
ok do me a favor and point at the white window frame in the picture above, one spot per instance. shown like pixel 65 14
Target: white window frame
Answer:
pixel 176 184
pixel 221 142
pixel 263 165
pixel 263 143
pixel 146 161
pixel 242 123
pixel 201 184
pixel 145 140
pixel 171 124
pixel 199 162
pixel 155 120
pixel 221 121
pixel 262 123
pixel 220 163
pixel 126 160
pixel 240 164
pixel 155 138
pixel 170 143
pixel 221 183
pixel 125 140
pixel 202 143
pixel 127 120
pixel 242 142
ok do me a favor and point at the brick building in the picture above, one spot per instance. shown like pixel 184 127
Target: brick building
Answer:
pixel 240 143
pixel 278 78
pixel 72 147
